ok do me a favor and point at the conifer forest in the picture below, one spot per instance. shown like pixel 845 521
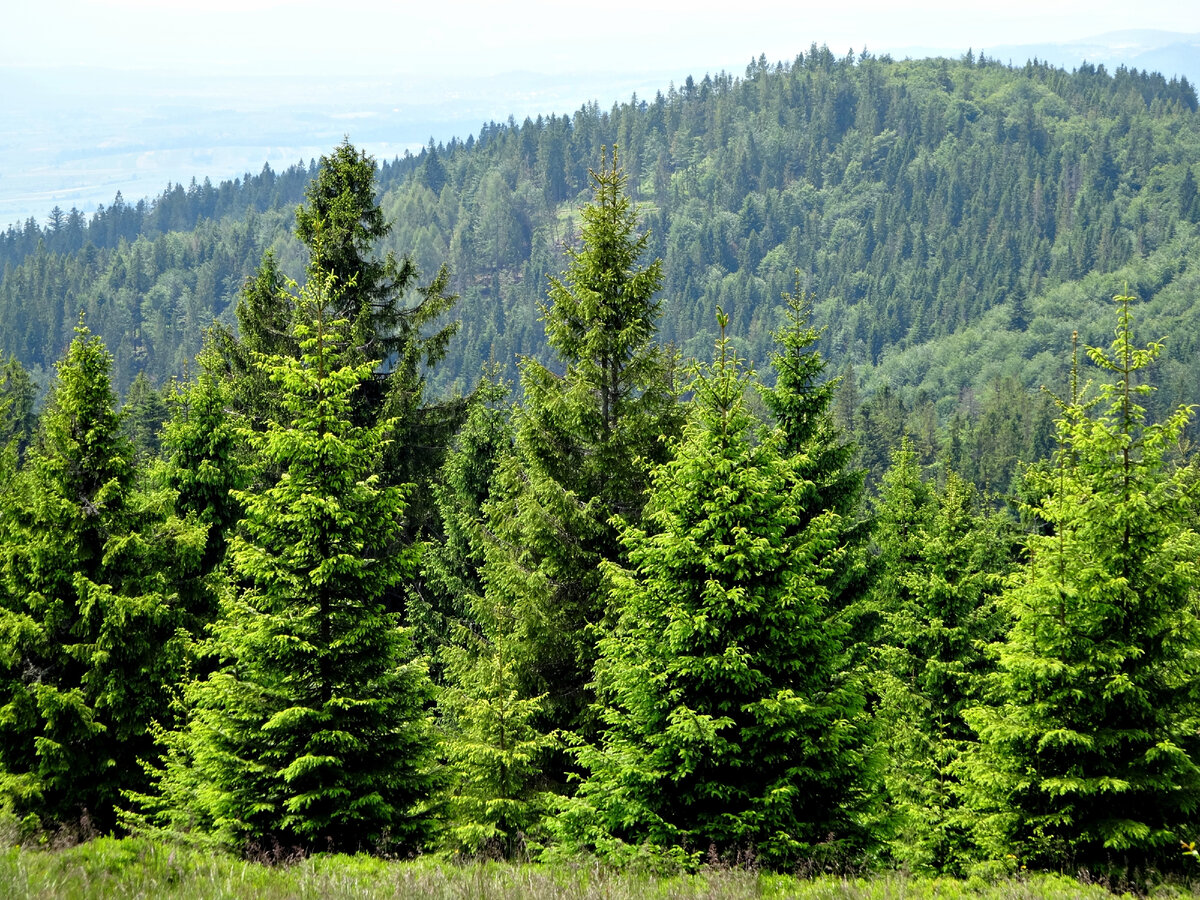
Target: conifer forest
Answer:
pixel 793 471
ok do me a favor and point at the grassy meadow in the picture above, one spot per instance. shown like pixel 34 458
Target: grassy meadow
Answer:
pixel 141 868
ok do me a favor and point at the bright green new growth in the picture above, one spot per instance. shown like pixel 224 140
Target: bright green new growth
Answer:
pixel 313 732
pixel 730 724
pixel 1089 747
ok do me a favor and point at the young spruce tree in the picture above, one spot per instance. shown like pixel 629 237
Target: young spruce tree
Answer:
pixel 731 727
pixel 1089 747
pixel 941 567
pixel 314 731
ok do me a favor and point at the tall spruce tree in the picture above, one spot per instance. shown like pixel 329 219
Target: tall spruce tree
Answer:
pixel 340 225
pixel 731 726
pixel 802 402
pixel 314 731
pixel 1089 748
pixel 584 440
pixel 92 613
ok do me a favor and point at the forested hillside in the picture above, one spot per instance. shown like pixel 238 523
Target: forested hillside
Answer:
pixel 623 605
pixel 956 220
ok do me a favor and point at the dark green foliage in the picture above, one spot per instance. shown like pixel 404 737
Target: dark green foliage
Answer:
pixel 452 564
pixel 17 395
pixel 940 570
pixel 731 725
pixel 204 462
pixel 1089 741
pixel 583 442
pixel 917 196
pixel 313 732
pixel 142 417
pixel 340 226
pixel 92 611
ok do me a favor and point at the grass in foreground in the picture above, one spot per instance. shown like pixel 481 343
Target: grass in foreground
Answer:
pixel 139 868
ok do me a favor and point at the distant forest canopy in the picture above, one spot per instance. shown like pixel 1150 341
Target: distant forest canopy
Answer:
pixel 955 220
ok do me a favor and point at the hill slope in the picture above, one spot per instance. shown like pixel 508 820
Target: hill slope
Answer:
pixel 956 220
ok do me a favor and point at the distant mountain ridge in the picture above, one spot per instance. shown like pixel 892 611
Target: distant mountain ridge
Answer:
pixel 955 220
pixel 1172 54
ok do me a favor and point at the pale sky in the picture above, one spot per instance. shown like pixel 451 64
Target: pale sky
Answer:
pixel 213 88
pixel 472 38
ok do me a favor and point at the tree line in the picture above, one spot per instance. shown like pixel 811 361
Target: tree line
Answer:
pixel 647 612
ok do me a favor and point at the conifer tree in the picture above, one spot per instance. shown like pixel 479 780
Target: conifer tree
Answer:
pixel 340 225
pixel 495 750
pixel 17 396
pixel 204 459
pixel 1089 748
pixel 940 570
pixel 731 726
pixel 92 615
pixel 142 418
pixel 452 564
pixel 584 440
pixel 802 402
pixel 496 795
pixel 313 732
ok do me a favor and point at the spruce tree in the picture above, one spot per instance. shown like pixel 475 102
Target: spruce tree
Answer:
pixel 731 726
pixel 17 396
pixel 801 401
pixel 313 732
pixel 584 441
pixel 205 462
pixel 1089 747
pixel 92 615
pixel 340 226
pixel 496 795
pixel 452 563
pixel 941 563
pixel 495 750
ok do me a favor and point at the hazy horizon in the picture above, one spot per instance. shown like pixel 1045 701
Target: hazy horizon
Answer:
pixel 130 95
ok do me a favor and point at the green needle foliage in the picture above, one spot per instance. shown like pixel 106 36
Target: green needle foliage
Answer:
pixel 340 226
pixel 584 441
pixel 941 563
pixel 91 614
pixel 494 750
pixel 451 564
pixel 313 732
pixel 730 725
pixel 1089 747
pixel 204 462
